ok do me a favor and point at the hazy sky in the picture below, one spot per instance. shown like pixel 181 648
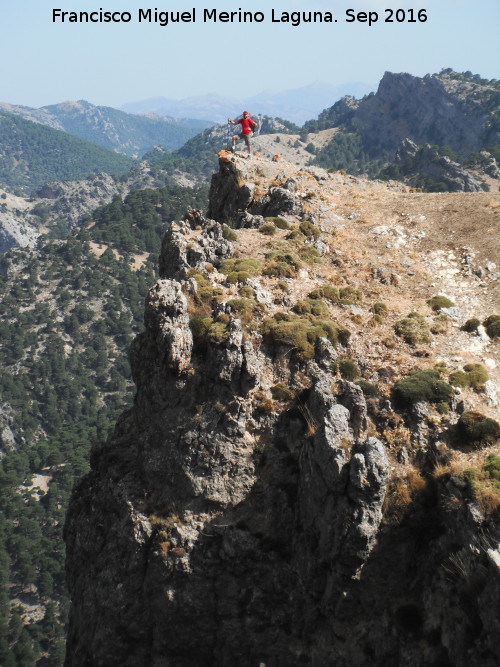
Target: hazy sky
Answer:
pixel 44 62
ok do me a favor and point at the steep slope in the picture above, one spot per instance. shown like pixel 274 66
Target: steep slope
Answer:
pixel 58 206
pixel 68 311
pixel 110 128
pixel 32 154
pixel 287 488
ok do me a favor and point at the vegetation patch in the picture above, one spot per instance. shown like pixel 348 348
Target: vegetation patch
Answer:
pixel 369 389
pixel 484 484
pixel 345 295
pixel 239 270
pixel 401 493
pixel 379 308
pixel 471 325
pixel 440 324
pixel 300 332
pixel 309 230
pixel 422 385
pixel 315 307
pixel 228 233
pixel 473 376
pixel 477 429
pixel 349 295
pixel 413 329
pixel 281 392
pixel 263 404
pixel 282 265
pixel 309 254
pixel 206 330
pixel 326 291
pixel 200 277
pixel 440 301
pixel 268 229
pixel 247 292
pixel 492 326
pixel 347 368
pixel 295 235
pixel 280 223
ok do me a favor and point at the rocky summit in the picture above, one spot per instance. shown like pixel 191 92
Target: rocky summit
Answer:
pixel 308 475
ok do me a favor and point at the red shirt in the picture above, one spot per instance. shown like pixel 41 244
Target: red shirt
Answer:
pixel 247 125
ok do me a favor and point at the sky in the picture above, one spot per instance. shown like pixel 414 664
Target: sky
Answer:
pixel 45 62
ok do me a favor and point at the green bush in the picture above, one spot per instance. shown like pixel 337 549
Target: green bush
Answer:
pixel 347 368
pixel 484 484
pixel 309 254
pixel 244 306
pixel 205 330
pixel 228 233
pixel 492 466
pixel 309 229
pixel 379 308
pixel 440 301
pixel 471 325
pixel 295 235
pixel 250 265
pixel 282 265
pixel 246 292
pixel 492 326
pixel 349 295
pixel 477 375
pixel 473 375
pixel 369 389
pixel 315 307
pixel 237 277
pixel 327 292
pixel 200 277
pixel 422 385
pixel 413 329
pixel 301 332
pixel 477 429
pixel 458 379
pixel 280 223
pixel 268 229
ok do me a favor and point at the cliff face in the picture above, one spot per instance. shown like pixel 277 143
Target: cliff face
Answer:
pixel 426 110
pixel 235 517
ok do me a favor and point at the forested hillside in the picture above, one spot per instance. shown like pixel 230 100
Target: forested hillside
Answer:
pixel 32 154
pixel 68 313
pixel 116 130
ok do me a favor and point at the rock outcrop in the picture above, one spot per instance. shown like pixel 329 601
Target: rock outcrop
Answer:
pixel 235 516
pixel 429 109
pixel 440 168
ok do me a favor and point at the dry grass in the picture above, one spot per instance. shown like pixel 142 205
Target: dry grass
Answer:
pixel 400 495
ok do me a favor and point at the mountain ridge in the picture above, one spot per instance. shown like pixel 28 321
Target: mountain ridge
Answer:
pixel 111 128
pixel 296 105
pixel 256 485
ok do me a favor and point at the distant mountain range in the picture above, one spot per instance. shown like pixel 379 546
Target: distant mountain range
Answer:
pixel 297 105
pixel 111 128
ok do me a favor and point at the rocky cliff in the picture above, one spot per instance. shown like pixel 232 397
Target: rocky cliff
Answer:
pixel 260 504
pixel 435 109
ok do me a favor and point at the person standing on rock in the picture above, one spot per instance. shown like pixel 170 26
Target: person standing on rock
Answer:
pixel 247 128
